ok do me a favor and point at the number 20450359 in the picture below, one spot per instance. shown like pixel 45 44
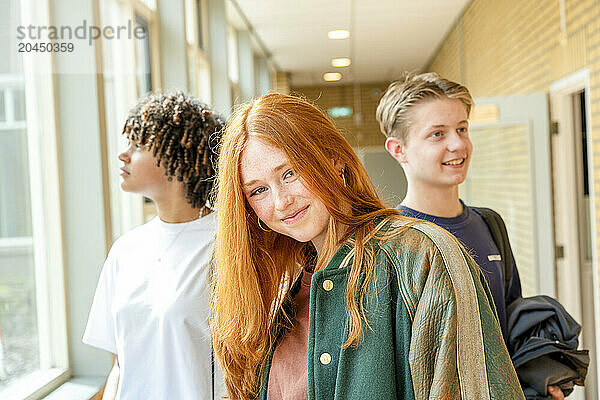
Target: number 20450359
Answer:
pixel 46 47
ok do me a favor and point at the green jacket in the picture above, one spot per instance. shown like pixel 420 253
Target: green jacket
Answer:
pixel 433 330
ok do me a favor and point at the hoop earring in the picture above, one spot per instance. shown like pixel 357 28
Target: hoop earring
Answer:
pixel 260 226
pixel 343 178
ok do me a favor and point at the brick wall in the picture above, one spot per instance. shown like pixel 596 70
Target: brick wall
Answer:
pixel 516 46
pixel 360 129
pixel 499 48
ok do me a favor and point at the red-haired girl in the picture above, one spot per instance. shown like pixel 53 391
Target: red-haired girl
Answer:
pixel 321 292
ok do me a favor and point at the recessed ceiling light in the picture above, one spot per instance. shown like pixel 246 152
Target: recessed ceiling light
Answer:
pixel 341 62
pixel 338 34
pixel 332 76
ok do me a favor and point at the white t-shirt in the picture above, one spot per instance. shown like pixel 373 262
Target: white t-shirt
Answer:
pixel 151 309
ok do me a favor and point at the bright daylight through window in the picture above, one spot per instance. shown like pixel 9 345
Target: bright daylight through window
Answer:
pixel 19 349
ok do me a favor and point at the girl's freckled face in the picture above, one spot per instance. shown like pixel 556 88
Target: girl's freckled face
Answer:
pixel 279 197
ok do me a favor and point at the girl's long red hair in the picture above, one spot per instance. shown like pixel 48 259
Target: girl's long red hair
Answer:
pixel 253 269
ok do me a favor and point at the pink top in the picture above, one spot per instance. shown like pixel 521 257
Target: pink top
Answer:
pixel 288 378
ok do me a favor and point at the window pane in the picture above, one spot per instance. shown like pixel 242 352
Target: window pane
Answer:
pixel 150 3
pixel 144 77
pixel 19 104
pixel 204 81
pixel 19 353
pixel 18 324
pixel 15 206
pixel 232 55
pixel 190 22
pixel 2 107
pixel 10 60
pixel 199 23
pixel 192 74
pixel 19 339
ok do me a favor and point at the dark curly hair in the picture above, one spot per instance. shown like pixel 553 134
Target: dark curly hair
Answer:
pixel 183 134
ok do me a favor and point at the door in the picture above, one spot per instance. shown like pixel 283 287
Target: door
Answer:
pixel 510 172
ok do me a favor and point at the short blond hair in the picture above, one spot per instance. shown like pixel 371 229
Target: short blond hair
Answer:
pixel 393 111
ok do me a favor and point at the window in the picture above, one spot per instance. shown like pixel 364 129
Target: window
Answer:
pixel 262 75
pixel 18 322
pixel 199 24
pixel 142 47
pixel 195 23
pixel 199 73
pixel 151 4
pixel 121 85
pixel 33 352
pixel 127 69
pixel 233 64
pixel 232 56
pixel 198 61
pixel 203 72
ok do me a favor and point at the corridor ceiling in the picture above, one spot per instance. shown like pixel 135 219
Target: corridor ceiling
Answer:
pixel 387 37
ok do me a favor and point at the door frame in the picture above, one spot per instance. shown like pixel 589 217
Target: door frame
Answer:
pixel 561 95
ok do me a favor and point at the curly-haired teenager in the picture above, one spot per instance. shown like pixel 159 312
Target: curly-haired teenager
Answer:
pixel 321 292
pixel 425 119
pixel 152 301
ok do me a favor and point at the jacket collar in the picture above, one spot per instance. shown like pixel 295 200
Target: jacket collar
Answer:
pixel 343 257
